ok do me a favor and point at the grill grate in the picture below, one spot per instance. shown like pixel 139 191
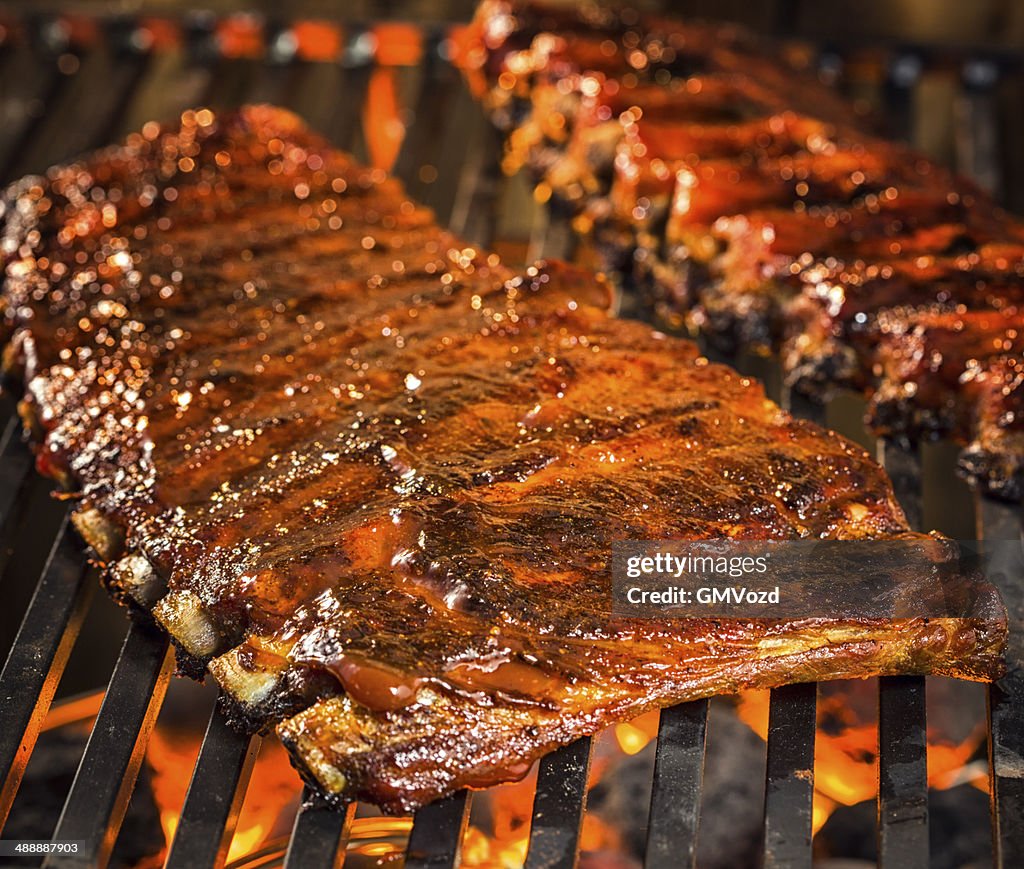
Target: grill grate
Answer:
pixel 214 796
pixel 37 659
pixel 106 774
pixel 790 776
pixel 74 93
pixel 678 777
pixel 319 836
pixel 436 836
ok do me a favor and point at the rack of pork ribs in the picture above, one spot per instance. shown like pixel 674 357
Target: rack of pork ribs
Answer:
pixel 748 201
pixel 369 477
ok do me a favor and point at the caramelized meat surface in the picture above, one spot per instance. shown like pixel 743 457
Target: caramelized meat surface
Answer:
pixel 752 203
pixel 977 354
pixel 370 477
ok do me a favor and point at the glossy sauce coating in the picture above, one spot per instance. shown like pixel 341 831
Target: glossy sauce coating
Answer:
pixel 757 206
pixel 376 475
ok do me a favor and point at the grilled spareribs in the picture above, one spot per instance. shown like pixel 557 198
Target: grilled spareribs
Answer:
pixel 370 477
pixel 752 203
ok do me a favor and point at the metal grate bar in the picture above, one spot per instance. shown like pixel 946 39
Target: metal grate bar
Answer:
pixel 902 773
pixel 47 91
pixel 789 787
pixel 803 407
pixel 87 106
pixel 275 77
pixel 37 659
pixel 678 779
pixel 8 418
pixel 977 133
pixel 553 236
pixel 214 796
pixel 15 465
pixel 902 79
pixel 346 129
pixel 106 775
pixel 311 91
pixel 231 82
pixel 475 209
pixel 903 465
pixel 435 841
pixel 558 807
pixel 25 544
pixel 319 835
pixel 902 744
pixel 33 71
pixel 1002 522
pixel 426 136
pixel 454 146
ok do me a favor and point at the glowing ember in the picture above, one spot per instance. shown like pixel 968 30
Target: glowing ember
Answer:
pixel 846 772
pixel 632 737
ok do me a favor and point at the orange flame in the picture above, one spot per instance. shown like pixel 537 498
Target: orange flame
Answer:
pixel 318 40
pixel 273 787
pixel 511 811
pixel 846 753
pixel 632 737
pixel 382 118
pixel 846 772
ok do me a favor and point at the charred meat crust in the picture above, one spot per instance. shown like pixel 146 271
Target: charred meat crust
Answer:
pixel 368 477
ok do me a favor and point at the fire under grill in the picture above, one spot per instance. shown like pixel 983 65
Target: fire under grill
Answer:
pixel 70 84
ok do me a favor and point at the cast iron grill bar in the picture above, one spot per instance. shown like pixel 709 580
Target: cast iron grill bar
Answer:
pixel 214 796
pixel 466 163
pixel 8 417
pixel 902 763
pixel 792 724
pixel 345 125
pixel 426 136
pixel 229 85
pixel 48 90
pixel 319 835
pixel 37 658
pixel 558 807
pixel 274 80
pixel 9 421
pixel 902 773
pixel 15 465
pixel 903 75
pixel 789 786
pixel 106 775
pixel 554 237
pixel 26 540
pixel 475 209
pixel 803 407
pixel 35 76
pixel 902 714
pixel 435 841
pixel 79 113
pixel 678 780
pixel 977 128
pixel 1002 522
pixel 1006 747
pixel 903 465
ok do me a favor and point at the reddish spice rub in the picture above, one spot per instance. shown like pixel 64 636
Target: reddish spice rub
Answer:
pixel 752 203
pixel 370 477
